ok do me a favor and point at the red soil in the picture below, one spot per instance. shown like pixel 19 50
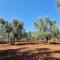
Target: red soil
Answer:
pixel 30 51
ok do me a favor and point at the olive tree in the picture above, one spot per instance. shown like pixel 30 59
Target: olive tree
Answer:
pixel 47 28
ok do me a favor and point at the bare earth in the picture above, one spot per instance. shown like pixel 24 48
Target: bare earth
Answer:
pixel 30 51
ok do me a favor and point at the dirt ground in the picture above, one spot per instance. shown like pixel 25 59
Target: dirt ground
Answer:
pixel 30 51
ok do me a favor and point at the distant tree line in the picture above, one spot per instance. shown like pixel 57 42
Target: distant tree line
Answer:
pixel 14 31
pixel 47 29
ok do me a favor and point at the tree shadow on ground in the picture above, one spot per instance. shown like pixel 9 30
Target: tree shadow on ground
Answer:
pixel 3 42
pixel 26 43
pixel 10 53
pixel 38 54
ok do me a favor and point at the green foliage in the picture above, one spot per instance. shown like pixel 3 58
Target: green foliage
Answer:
pixel 11 31
pixel 47 28
pixel 58 3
